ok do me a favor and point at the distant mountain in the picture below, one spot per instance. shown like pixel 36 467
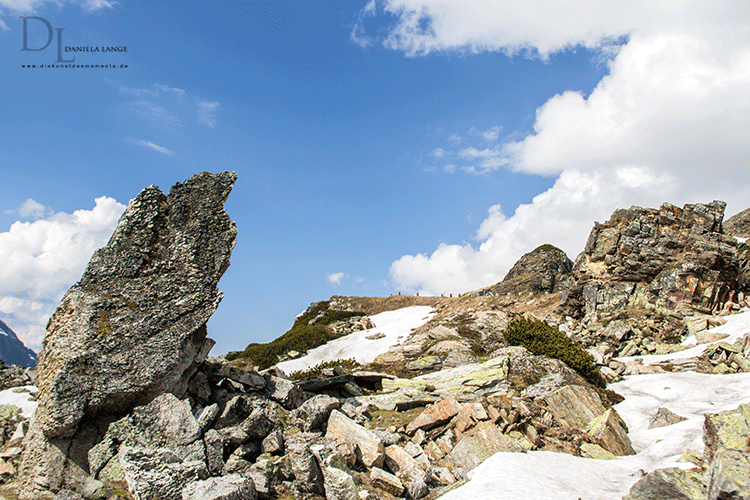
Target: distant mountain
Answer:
pixel 12 350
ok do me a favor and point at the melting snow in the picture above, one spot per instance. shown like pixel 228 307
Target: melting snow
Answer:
pixel 20 399
pixel 557 476
pixel 392 324
pixel 736 326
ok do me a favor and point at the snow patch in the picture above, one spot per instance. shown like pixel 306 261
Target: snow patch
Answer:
pixel 737 325
pixel 20 399
pixel 392 324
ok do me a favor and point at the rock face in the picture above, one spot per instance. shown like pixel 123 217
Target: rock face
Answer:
pixel 738 225
pixel 12 350
pixel 671 260
pixel 134 326
pixel 544 269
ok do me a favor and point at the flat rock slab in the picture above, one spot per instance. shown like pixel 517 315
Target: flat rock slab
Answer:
pixel 368 446
pixel 481 443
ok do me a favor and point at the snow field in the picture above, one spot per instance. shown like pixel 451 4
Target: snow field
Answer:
pixel 394 325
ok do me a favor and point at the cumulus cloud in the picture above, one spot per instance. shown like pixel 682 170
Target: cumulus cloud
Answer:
pixel 335 278
pixel 30 209
pixel 669 122
pixel 40 260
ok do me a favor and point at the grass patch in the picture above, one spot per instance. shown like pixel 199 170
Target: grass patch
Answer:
pixel 546 248
pixel 300 337
pixel 543 340
pixel 382 419
pixel 348 365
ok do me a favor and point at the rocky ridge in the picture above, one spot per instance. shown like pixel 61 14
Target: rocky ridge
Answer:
pixel 410 425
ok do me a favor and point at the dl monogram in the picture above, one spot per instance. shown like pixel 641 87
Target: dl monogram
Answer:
pixel 49 40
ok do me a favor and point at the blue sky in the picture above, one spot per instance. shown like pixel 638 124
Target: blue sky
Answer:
pixel 399 145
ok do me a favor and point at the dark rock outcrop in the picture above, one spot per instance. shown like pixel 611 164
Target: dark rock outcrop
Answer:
pixel 12 350
pixel 545 269
pixel 133 327
pixel 673 260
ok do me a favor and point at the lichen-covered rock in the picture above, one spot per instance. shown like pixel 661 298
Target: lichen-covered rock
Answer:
pixel 314 412
pixel 339 485
pixel 674 484
pixel 165 422
pixel 133 327
pixel 369 448
pixel 230 487
pixel 575 405
pixel 479 444
pixel 284 391
pixel 158 473
pixel 309 477
pixel 730 476
pixel 435 415
pixel 611 432
pixel 725 430
pixel 386 482
pixel 663 418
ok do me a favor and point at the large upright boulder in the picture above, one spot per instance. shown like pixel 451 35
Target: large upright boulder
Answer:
pixel 133 327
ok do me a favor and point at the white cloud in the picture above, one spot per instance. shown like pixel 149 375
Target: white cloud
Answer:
pixel 40 260
pixel 542 28
pixel 450 168
pixel 156 113
pixel 30 209
pixel 150 145
pixel 438 152
pixel 91 5
pixel 3 26
pixel 455 138
pixel 669 122
pixel 491 134
pixel 335 278
pixel 207 113
pixel 30 6
pixel 166 88
pixel 490 159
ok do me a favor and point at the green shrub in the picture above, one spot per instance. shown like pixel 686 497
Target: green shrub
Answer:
pixel 543 340
pixel 348 365
pixel 300 337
